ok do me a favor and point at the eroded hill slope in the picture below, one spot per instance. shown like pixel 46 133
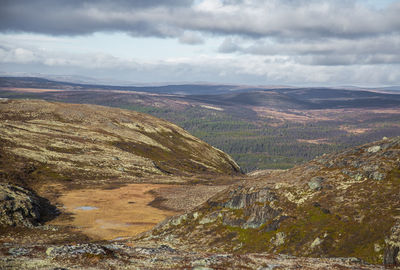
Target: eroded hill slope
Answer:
pixel 94 142
pixel 338 205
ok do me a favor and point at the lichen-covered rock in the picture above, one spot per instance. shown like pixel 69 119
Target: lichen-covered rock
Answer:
pixel 243 198
pixel 18 206
pixel 374 149
pixel 75 250
pixel 316 183
pixel 377 176
pixel 392 250
pixel 254 206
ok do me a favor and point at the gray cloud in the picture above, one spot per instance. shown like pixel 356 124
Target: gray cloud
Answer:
pixel 247 69
pixel 275 41
pixel 368 51
pixel 75 17
pixel 252 18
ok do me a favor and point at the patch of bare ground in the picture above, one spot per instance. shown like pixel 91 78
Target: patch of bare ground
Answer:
pixel 106 214
pixel 268 172
pixel 289 115
pixel 31 90
pixel 354 130
pixel 315 141
pixel 183 198
pixel 305 116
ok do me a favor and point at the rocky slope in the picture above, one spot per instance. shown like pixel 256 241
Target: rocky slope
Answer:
pixel 21 207
pixel 93 142
pixel 338 205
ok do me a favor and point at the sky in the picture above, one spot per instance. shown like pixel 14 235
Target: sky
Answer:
pixel 252 42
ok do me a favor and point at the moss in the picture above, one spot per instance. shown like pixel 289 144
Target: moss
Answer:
pixel 342 234
pixel 394 176
pixel 237 213
pixel 64 150
pixel 252 240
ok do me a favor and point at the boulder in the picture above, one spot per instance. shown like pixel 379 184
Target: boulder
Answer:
pixel 316 183
pixel 21 207
pixel 18 206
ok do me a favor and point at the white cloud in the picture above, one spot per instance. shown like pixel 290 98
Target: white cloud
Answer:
pixel 276 41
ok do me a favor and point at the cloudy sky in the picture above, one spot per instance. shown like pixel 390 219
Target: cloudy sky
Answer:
pixel 270 42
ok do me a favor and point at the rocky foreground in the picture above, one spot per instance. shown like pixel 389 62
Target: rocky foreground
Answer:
pixel 119 256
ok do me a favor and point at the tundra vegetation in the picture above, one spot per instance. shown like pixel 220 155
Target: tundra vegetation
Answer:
pixel 81 185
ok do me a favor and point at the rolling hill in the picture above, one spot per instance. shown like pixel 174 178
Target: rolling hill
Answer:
pixel 260 127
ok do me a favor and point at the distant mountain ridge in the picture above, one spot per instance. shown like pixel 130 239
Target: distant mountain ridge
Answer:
pixel 184 88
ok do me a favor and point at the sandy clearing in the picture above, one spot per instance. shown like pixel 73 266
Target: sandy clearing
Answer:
pixel 105 214
pixel 315 141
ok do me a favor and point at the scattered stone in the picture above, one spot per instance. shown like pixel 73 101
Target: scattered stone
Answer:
pixel 370 168
pixel 178 220
pixel 19 251
pixel 316 183
pixel 279 239
pixel 202 268
pixel 374 149
pixel 358 177
pixel 210 218
pixel 377 247
pixel 75 250
pixel 270 267
pixel 160 249
pixel 317 241
pixel 378 176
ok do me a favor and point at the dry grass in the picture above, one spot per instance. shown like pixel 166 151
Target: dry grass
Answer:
pixel 121 212
pixel 306 116
pixel 31 90
pixel 316 141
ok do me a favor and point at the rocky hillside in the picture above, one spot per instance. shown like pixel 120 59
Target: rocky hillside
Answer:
pixel 21 207
pixel 71 141
pixel 339 205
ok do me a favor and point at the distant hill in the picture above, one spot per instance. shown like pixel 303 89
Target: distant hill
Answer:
pixel 88 142
pixel 260 127
pixel 229 95
pixel 186 89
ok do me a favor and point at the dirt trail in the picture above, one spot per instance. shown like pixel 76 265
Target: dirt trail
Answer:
pixel 113 213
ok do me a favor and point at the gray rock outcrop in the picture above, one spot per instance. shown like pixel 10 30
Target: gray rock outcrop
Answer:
pixel 19 206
